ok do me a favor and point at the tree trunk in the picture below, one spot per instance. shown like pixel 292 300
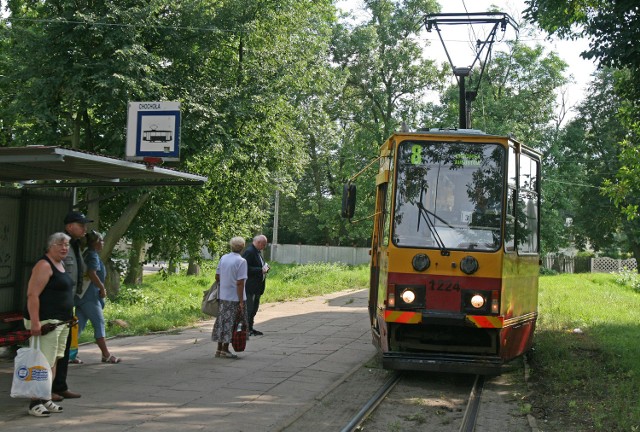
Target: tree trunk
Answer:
pixel 136 257
pixel 173 266
pixel 635 248
pixel 112 283
pixel 194 268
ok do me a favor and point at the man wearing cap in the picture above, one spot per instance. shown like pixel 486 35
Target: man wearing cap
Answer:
pixel 75 225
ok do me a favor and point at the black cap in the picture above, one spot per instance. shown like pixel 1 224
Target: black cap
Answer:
pixel 75 216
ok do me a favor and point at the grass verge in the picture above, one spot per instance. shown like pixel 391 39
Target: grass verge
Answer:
pixel 586 358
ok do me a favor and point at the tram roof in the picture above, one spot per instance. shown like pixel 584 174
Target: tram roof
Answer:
pixel 445 131
pixel 63 167
pixel 465 132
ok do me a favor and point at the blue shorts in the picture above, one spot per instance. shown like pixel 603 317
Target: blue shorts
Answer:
pixel 90 311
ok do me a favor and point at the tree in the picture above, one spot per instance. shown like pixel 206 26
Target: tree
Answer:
pixel 384 78
pixel 238 67
pixel 580 162
pixel 612 28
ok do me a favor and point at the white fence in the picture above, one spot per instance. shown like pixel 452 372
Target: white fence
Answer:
pixel 608 265
pixel 304 254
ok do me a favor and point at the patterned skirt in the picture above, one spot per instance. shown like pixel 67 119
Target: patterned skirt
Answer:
pixel 223 327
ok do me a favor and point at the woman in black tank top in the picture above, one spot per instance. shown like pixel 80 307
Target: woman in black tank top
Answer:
pixel 50 297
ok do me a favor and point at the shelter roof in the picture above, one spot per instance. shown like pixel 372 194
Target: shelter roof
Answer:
pixel 34 165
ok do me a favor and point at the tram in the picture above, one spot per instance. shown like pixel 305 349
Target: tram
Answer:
pixel 455 250
pixel 161 136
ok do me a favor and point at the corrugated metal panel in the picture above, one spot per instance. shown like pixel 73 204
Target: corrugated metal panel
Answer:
pixel 37 215
pixel 9 215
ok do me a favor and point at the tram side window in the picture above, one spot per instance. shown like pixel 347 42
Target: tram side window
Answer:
pixel 387 215
pixel 527 213
pixel 388 195
pixel 510 222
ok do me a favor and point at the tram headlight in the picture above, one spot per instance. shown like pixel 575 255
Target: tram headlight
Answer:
pixel 477 301
pixel 421 262
pixel 408 296
pixel 469 265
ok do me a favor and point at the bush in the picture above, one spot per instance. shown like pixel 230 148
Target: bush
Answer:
pixel 544 271
pixel 629 278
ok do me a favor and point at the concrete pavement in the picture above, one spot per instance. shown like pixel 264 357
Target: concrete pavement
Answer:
pixel 172 381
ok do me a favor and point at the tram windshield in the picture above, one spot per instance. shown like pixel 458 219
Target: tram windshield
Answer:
pixel 449 195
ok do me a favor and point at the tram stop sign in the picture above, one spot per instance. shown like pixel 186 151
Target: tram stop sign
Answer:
pixel 153 131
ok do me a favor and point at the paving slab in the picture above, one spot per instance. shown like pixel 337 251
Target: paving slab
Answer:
pixel 172 380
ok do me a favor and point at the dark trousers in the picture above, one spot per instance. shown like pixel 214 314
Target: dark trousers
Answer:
pixel 253 303
pixel 60 380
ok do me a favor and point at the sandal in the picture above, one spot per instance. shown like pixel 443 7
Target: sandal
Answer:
pixel 76 361
pixel 39 410
pixel 226 354
pixel 110 359
pixel 51 407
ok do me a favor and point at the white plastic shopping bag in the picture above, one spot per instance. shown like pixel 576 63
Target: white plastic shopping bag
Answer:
pixel 32 373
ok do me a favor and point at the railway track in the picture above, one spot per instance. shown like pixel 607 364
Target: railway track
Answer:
pixel 468 420
pixel 372 399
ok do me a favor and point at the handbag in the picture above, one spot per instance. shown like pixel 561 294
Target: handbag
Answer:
pixel 210 300
pixel 239 336
pixel 32 373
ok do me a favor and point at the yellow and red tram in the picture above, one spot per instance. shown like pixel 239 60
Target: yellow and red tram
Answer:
pixel 455 250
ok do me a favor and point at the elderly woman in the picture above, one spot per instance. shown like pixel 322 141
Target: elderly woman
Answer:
pixel 232 275
pixel 50 300
pixel 90 303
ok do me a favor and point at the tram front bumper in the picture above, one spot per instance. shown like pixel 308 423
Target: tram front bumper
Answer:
pixel 453 363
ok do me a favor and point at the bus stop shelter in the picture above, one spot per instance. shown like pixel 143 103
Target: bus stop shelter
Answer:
pixel 38 187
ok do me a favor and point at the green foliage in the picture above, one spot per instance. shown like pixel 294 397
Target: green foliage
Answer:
pixel 612 29
pixel 586 351
pixel 546 271
pixel 380 78
pixel 611 26
pixel 249 76
pixel 131 295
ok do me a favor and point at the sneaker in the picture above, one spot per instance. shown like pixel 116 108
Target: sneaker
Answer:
pixel 49 405
pixel 255 332
pixel 39 410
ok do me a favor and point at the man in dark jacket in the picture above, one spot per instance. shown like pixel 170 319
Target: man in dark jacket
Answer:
pixel 257 274
pixel 75 225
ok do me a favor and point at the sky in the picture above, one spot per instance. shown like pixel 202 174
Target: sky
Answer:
pixel 462 55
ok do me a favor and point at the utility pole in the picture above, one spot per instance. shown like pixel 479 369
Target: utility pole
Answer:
pixel 274 240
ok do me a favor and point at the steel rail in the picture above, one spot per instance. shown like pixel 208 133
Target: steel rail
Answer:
pixel 372 403
pixel 473 406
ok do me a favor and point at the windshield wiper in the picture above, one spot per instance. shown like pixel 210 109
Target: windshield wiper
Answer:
pixel 424 214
